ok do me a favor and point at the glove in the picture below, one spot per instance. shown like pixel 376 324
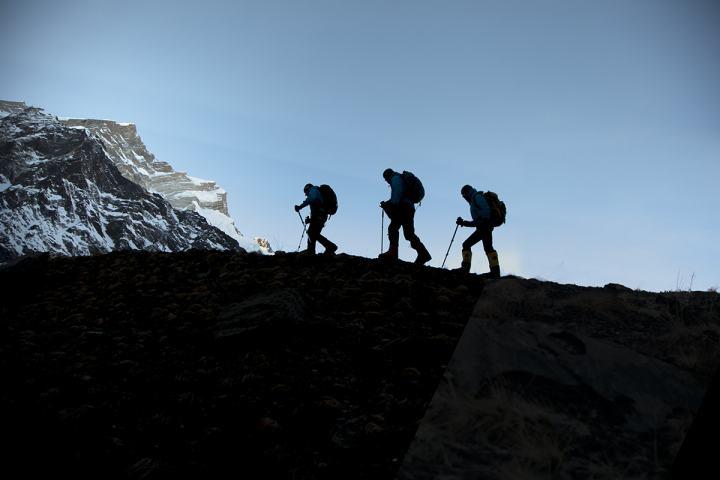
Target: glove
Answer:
pixel 383 204
pixel 297 208
pixel 307 220
pixel 460 221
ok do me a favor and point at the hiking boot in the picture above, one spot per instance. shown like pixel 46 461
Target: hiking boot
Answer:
pixel 466 262
pixel 423 256
pixel 331 250
pixel 391 254
pixel 494 263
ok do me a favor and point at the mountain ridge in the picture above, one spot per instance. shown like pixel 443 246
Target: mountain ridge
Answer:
pixel 125 148
pixel 61 193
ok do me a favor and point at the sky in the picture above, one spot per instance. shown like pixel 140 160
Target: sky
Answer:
pixel 598 123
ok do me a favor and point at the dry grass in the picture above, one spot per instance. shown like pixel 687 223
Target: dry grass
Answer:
pixel 693 330
pixel 531 437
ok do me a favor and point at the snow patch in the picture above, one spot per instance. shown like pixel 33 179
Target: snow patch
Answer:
pixel 4 183
pixel 219 220
pixel 52 196
pixel 198 181
pixel 202 196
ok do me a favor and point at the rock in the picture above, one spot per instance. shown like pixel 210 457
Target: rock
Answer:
pixel 266 313
pixel 617 287
pixel 525 388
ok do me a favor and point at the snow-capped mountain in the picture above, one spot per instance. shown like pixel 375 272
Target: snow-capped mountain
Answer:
pixel 126 149
pixel 60 192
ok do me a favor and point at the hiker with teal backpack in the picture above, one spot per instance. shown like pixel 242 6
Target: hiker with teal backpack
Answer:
pixel 487 212
pixel 406 191
pixel 323 203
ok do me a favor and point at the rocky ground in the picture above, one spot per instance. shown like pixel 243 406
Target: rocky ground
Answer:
pixel 147 365
pixel 563 382
pixel 235 365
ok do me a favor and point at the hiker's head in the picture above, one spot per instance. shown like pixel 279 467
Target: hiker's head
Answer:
pixel 466 191
pixel 307 188
pixel 388 174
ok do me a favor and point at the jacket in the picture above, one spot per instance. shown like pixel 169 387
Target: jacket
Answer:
pixel 315 199
pixel 479 209
pixel 397 195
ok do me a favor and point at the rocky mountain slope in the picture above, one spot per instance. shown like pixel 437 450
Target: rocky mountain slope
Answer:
pixel 217 364
pixel 124 147
pixel 60 193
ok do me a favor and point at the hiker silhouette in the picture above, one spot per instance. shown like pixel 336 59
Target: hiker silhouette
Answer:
pixel 481 220
pixel 318 217
pixel 406 190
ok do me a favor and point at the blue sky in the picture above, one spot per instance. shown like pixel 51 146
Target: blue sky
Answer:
pixel 598 123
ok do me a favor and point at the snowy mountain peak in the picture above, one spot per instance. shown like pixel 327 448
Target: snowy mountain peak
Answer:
pixel 127 150
pixel 59 192
pixel 124 147
pixel 7 107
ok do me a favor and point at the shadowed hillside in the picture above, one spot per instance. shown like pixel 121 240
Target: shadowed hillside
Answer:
pixel 217 364
pixel 157 365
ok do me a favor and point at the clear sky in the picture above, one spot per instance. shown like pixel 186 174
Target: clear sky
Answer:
pixel 597 122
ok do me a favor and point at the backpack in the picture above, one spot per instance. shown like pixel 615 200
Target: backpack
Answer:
pixel 414 190
pixel 498 212
pixel 329 199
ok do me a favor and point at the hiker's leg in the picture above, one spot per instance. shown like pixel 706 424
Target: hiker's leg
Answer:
pixel 408 223
pixel 329 246
pixel 313 233
pixel 467 245
pixel 423 255
pixel 474 238
pixel 394 231
pixel 393 234
pixel 490 252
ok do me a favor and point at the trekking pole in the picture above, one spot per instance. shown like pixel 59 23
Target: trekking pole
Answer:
pixel 303 234
pixel 382 230
pixel 451 242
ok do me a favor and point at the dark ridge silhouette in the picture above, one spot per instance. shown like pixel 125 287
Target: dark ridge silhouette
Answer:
pixel 208 364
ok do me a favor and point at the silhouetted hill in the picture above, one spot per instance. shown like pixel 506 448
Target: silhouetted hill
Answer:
pixel 209 364
pixel 147 365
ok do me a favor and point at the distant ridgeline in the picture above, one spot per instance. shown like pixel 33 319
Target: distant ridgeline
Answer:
pixel 41 209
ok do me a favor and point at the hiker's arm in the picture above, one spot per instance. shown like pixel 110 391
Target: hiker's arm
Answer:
pixel 304 204
pixel 465 223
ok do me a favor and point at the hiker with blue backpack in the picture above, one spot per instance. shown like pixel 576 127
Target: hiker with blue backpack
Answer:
pixel 406 191
pixel 323 203
pixel 487 212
